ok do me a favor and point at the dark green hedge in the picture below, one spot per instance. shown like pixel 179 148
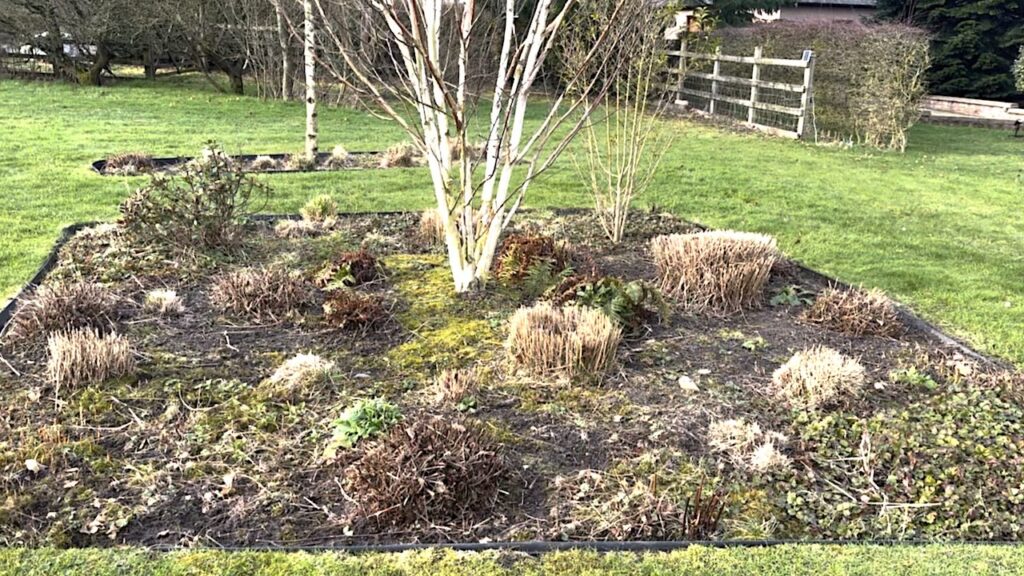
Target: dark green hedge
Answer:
pixel 810 560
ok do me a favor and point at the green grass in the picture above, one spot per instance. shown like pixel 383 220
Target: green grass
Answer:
pixel 805 560
pixel 939 227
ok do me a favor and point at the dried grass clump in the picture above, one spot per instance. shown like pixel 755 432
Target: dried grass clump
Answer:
pixel 431 228
pixel 720 271
pixel 129 163
pixel 573 341
pixel 321 210
pixel 301 162
pixel 401 155
pixel 747 445
pixel 260 293
pixel 856 312
pixel 637 501
pixel 86 356
pixel 265 164
pixel 817 377
pixel 297 229
pixel 350 269
pixel 164 303
pixel 299 372
pixel 430 472
pixel 350 309
pixel 339 158
pixel 64 307
pixel 452 386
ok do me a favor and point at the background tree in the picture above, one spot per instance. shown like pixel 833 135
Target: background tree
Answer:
pixel 975 42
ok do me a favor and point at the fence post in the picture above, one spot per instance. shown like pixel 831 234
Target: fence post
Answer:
pixel 755 75
pixel 805 98
pixel 682 65
pixel 714 80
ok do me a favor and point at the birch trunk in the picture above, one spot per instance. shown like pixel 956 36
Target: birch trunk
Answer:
pixel 286 59
pixel 309 51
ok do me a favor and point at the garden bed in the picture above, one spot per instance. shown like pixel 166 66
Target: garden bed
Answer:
pixel 257 163
pixel 202 439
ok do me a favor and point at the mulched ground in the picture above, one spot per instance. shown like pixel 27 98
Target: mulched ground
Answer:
pixel 188 451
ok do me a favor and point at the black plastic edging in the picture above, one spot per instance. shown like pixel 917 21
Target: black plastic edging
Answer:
pixel 534 547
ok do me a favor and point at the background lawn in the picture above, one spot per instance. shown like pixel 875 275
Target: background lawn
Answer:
pixel 939 227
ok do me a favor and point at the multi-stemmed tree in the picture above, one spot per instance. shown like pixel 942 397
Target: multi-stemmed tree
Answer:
pixel 438 54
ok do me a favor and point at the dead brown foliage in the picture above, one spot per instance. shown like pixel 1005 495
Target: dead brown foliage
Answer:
pixel 719 271
pixel 856 312
pixel 261 293
pixel 351 269
pixel 129 163
pixel 350 309
pixel 431 472
pixel 64 307
pixel 521 252
pixel 622 506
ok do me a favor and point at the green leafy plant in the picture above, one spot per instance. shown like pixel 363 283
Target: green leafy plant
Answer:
pixel 792 295
pixel 913 377
pixel 628 304
pixel 365 419
pixel 205 207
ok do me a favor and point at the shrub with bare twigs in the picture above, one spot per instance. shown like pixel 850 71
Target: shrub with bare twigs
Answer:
pixel 431 471
pixel 64 307
pixel 573 341
pixel 260 293
pixel 85 356
pixel 817 377
pixel 720 271
pixel 856 312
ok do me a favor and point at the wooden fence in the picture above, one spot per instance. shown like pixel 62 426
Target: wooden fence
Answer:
pixel 779 107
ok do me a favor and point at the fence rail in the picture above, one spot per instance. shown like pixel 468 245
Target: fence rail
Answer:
pixel 774 106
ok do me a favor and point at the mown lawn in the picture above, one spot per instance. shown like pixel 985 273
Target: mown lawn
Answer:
pixel 938 227
pixel 789 560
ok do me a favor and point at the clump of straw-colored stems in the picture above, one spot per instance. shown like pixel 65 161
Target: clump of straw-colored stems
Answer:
pixel 572 341
pixel 86 356
pixel 720 271
pixel 856 312
pixel 817 377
